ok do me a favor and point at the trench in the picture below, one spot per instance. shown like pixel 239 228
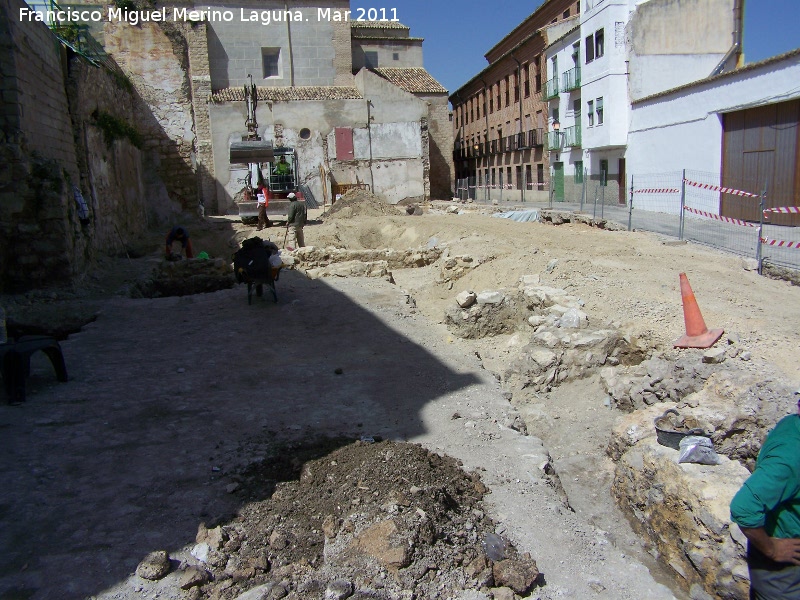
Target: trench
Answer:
pixel 573 417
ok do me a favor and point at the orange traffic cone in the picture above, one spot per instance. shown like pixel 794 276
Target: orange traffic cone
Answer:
pixel 697 334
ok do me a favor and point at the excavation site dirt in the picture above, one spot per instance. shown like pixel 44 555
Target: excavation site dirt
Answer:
pixel 440 404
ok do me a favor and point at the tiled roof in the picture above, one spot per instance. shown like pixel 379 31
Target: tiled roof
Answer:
pixel 415 80
pixel 286 94
pixel 364 35
pixel 378 25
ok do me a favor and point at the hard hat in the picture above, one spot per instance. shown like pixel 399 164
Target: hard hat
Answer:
pixel 291 196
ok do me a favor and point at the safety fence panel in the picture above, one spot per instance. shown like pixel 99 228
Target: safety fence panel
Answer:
pixel 704 222
pixel 780 245
pixel 481 191
pixel 655 203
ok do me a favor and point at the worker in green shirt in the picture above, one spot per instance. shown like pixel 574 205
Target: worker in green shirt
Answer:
pixel 283 171
pixel 767 510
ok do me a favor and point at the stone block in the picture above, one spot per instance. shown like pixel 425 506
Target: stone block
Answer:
pixel 688 520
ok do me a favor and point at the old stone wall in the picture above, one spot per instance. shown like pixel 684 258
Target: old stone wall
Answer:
pixel 37 223
pixel 155 58
pixel 440 136
pixel 66 125
pixel 200 74
pixel 107 140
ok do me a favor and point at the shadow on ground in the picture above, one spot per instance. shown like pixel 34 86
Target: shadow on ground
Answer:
pixel 168 398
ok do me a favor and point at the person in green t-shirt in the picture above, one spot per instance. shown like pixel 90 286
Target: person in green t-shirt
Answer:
pixel 767 510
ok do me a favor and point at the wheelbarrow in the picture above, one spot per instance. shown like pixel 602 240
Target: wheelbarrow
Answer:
pixel 252 265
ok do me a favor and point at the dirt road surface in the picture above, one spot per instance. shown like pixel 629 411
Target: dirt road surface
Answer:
pixel 171 399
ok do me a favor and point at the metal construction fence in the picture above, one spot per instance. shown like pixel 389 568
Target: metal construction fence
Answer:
pixel 688 205
pixel 683 204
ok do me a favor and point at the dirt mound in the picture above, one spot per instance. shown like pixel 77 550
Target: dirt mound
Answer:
pixel 378 519
pixel 360 203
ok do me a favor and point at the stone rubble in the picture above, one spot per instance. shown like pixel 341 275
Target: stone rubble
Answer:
pixel 338 262
pixel 186 277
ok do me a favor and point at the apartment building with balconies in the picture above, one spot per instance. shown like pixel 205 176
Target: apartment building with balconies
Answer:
pixel 500 116
pixel 619 51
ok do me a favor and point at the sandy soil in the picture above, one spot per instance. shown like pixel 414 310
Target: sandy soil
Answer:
pixel 173 403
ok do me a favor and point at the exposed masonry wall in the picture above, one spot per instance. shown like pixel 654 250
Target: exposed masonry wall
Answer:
pixel 343 54
pixel 440 132
pixel 51 141
pixel 35 151
pixel 200 76
pixel 33 65
pixel 111 170
pixel 155 57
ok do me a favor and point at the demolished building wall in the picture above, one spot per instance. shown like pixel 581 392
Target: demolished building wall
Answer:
pixel 66 127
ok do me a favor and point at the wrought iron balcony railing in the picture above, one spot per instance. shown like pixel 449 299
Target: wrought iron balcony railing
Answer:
pixel 572 136
pixel 550 89
pixel 553 140
pixel 571 80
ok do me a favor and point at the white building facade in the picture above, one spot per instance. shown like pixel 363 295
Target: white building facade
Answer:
pixel 622 50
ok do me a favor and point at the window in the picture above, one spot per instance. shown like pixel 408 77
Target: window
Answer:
pixel 494 178
pixel 566 14
pixel 578 171
pixel 589 48
pixel 599 111
pixel 516 88
pixel 395 56
pixel 526 78
pixel 371 59
pixel 491 104
pixel 576 108
pixel 528 177
pixel 590 112
pixel 519 177
pixel 271 62
pixel 508 90
pixel 599 43
pixel 603 172
pixel 538 66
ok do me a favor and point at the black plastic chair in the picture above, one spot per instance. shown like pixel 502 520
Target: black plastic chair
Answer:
pixel 15 362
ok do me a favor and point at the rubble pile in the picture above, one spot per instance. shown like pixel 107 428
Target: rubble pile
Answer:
pixel 185 277
pixel 367 521
pixel 562 345
pixel 455 267
pixel 340 262
pixel 360 203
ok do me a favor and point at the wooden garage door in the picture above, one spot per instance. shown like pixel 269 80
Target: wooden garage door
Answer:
pixel 760 147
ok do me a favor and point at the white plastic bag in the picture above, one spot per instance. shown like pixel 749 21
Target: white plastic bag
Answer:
pixel 697 449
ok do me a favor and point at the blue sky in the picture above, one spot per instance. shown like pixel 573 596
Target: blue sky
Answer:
pixel 459 32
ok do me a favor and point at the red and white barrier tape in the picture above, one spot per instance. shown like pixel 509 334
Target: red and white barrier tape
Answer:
pixel 719 217
pixel 783 210
pixel 657 191
pixel 780 243
pixel 717 188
